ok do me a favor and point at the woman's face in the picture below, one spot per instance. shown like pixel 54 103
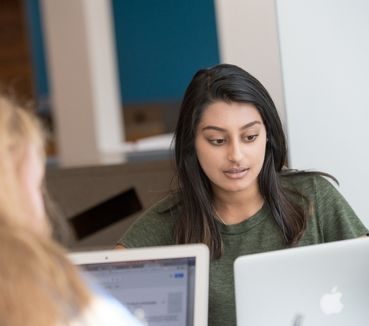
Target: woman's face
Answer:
pixel 31 178
pixel 230 145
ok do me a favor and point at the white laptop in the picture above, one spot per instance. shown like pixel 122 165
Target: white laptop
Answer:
pixel 318 285
pixel 162 285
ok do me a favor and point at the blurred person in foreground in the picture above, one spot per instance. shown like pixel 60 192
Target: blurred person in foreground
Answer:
pixel 38 284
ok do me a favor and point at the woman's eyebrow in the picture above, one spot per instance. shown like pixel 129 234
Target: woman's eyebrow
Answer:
pixel 248 125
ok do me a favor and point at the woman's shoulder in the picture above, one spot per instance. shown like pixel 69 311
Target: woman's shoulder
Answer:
pixel 155 226
pixel 307 181
pixel 163 207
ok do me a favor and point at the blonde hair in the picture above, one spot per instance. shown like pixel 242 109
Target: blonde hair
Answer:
pixel 39 286
pixel 19 130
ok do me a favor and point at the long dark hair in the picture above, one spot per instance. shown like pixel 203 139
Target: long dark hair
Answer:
pixel 197 222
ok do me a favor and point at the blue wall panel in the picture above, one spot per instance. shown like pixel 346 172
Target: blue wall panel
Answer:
pixel 35 34
pixel 160 44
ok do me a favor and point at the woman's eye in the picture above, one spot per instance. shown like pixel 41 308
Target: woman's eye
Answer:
pixel 250 138
pixel 218 141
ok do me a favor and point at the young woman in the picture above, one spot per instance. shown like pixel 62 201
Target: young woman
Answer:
pixel 38 284
pixel 235 193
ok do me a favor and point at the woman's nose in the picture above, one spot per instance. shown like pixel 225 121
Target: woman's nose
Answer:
pixel 235 152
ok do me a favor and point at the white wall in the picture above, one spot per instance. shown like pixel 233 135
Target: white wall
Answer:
pixel 325 60
pixel 247 34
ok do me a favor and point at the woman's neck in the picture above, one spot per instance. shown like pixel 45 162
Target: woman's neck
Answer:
pixel 234 208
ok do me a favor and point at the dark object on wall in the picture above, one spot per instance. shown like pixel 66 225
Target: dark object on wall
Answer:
pixel 75 190
pixel 106 213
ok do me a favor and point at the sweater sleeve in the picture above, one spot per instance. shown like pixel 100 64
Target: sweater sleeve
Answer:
pixel 153 228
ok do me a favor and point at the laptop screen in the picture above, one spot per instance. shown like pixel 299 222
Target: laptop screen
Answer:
pixel 164 285
pixel 160 290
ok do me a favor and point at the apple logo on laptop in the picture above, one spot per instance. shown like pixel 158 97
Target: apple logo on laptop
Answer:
pixel 330 303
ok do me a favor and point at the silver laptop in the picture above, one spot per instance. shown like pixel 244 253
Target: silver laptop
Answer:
pixel 326 284
pixel 160 285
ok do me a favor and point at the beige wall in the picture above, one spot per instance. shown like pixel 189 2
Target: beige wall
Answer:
pixel 84 83
pixel 247 31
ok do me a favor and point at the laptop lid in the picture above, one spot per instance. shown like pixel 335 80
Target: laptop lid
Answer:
pixel 164 285
pixel 326 284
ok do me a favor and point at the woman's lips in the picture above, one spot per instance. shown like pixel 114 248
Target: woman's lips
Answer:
pixel 236 173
